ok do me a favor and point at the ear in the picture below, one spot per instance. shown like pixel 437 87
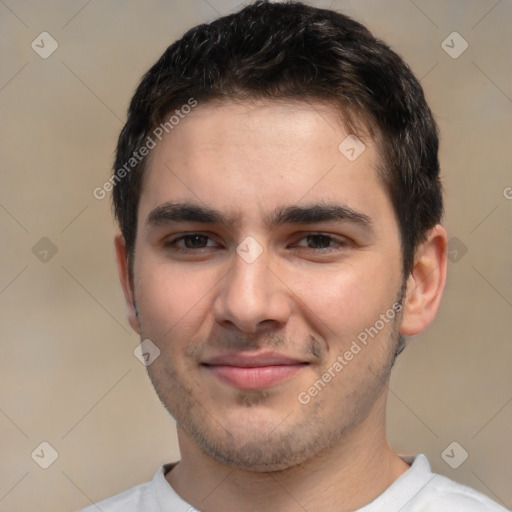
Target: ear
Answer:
pixel 126 281
pixel 426 282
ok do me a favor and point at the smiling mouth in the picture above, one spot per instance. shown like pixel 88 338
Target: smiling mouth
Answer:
pixel 254 377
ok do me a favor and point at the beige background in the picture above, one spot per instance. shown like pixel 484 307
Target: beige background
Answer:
pixel 67 369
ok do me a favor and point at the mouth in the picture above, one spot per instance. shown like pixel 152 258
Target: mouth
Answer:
pixel 253 371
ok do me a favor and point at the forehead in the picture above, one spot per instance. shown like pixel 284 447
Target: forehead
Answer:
pixel 249 158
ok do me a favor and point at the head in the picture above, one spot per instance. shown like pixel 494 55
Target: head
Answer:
pixel 245 122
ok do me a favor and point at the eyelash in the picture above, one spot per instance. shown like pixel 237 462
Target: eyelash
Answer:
pixel 339 242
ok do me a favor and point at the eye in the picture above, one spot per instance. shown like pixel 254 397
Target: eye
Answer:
pixel 191 241
pixel 321 242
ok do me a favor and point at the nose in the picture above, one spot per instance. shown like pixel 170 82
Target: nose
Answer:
pixel 251 297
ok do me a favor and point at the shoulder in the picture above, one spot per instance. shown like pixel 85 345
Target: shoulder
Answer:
pixel 445 494
pixel 135 499
pixel 154 496
pixel 437 493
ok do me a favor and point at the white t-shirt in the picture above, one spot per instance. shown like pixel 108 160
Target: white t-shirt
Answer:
pixel 416 490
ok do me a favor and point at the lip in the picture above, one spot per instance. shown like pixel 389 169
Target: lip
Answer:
pixel 253 371
pixel 252 360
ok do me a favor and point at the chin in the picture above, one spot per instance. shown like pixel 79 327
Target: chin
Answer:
pixel 254 456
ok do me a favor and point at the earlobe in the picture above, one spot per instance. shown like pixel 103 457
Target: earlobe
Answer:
pixel 426 282
pixel 126 281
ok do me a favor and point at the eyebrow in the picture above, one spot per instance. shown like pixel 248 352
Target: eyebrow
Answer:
pixel 308 214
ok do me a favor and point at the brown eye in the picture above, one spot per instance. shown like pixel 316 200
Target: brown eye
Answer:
pixel 191 241
pixel 319 241
pixel 195 241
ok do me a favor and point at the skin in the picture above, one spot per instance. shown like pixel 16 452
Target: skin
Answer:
pixel 305 296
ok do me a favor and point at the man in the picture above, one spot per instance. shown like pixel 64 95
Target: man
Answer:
pixel 277 189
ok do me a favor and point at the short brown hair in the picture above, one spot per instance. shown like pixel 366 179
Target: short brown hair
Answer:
pixel 294 51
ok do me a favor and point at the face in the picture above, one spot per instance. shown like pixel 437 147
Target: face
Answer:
pixel 267 270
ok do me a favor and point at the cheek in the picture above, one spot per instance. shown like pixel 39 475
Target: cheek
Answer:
pixel 171 298
pixel 345 301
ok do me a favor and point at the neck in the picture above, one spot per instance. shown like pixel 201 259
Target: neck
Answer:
pixel 348 475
